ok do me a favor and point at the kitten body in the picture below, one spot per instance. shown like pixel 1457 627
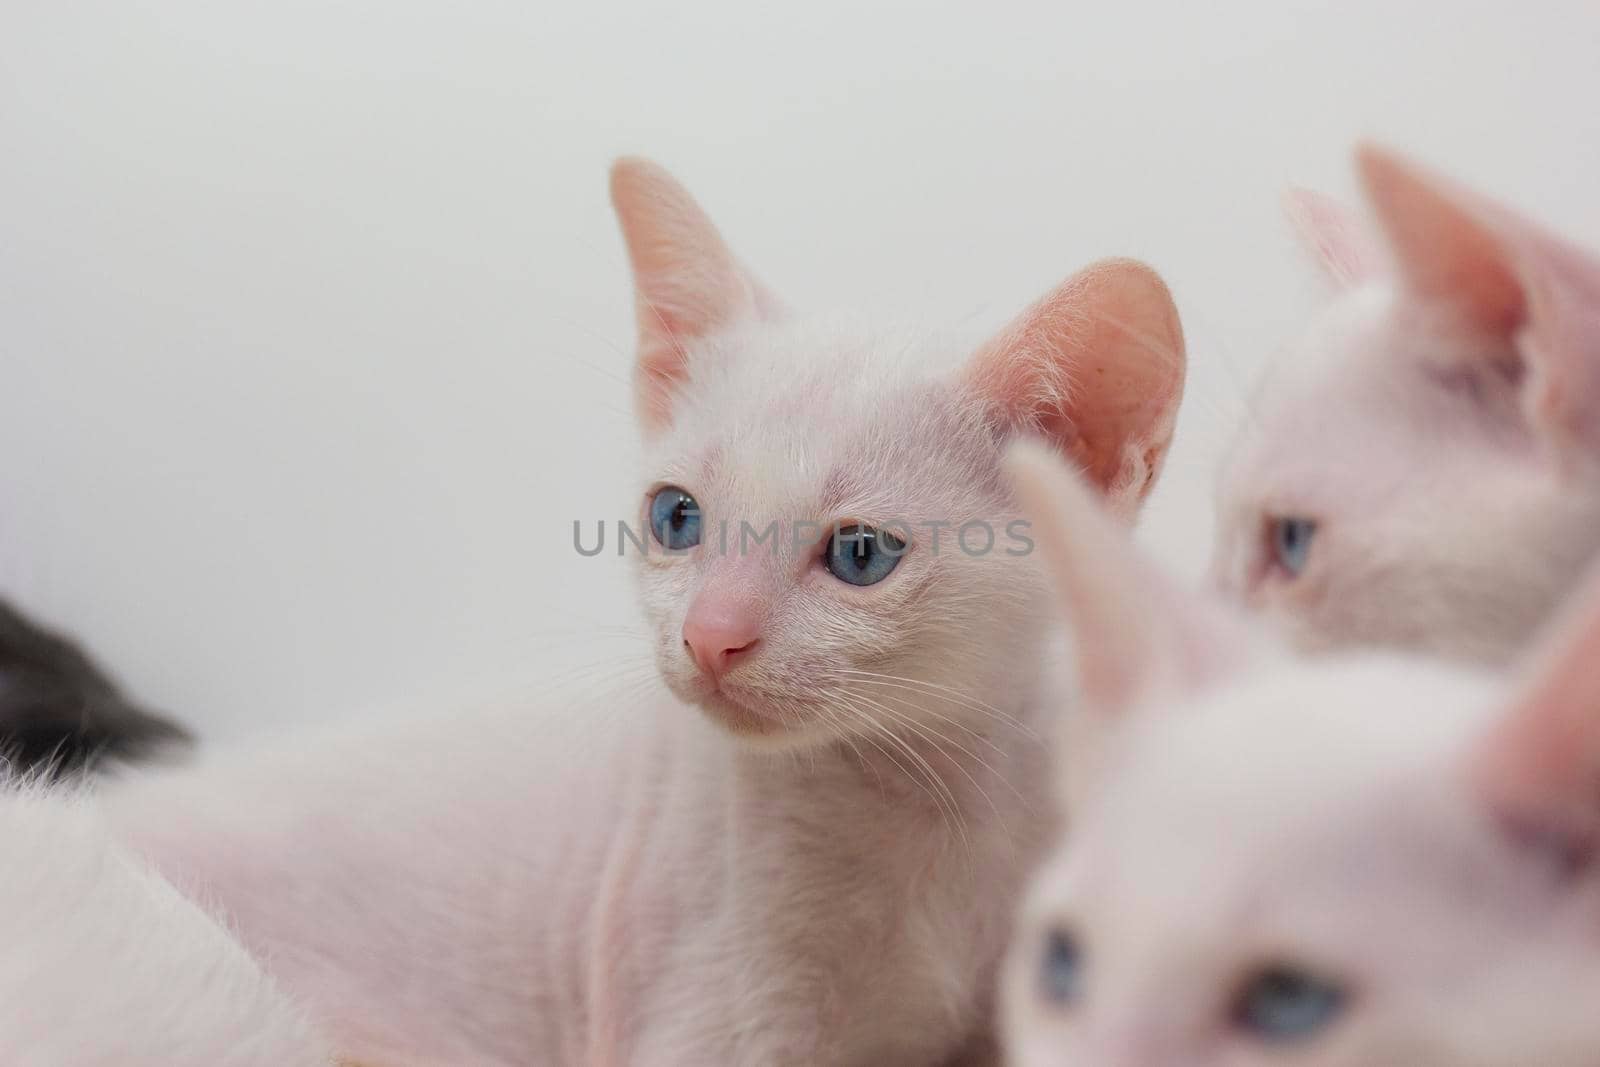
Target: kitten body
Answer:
pixel 807 847
pixel 1439 423
pixel 618 886
pixel 107 965
pixel 1354 859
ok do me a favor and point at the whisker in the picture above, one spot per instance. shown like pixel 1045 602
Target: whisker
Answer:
pixel 834 724
pixel 955 695
pixel 862 714
pixel 924 731
pixel 933 777
pixel 914 778
pixel 957 723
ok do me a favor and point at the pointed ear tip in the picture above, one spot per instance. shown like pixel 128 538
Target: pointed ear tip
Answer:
pixel 1026 459
pixel 1131 279
pixel 1380 168
pixel 632 175
pixel 1370 153
pixel 1042 478
pixel 1304 204
pixel 626 165
pixel 1031 468
pixel 1142 286
pixel 1129 271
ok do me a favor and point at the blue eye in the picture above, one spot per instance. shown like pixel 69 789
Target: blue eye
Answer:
pixel 1283 1004
pixel 1290 542
pixel 861 555
pixel 1060 968
pixel 675 518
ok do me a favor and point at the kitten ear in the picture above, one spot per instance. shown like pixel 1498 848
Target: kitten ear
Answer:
pixel 1136 634
pixel 1442 247
pixel 1508 278
pixel 1096 370
pixel 1341 241
pixel 1538 767
pixel 687 284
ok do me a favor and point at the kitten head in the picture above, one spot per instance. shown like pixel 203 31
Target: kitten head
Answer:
pixel 829 547
pixel 1422 470
pixel 1340 862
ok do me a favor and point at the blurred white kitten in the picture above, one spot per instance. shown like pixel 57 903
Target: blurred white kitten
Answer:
pixel 1345 861
pixel 105 965
pixel 1423 469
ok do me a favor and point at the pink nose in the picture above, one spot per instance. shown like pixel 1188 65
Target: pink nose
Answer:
pixel 719 635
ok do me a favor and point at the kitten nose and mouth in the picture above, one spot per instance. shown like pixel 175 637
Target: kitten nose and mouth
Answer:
pixel 719 636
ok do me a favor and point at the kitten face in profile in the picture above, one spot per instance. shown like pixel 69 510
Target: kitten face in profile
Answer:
pixel 829 527
pixel 1423 470
pixel 1340 862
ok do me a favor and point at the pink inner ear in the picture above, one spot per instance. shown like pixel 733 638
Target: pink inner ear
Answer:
pixel 687 283
pixel 1096 368
pixel 1510 277
pixel 1563 337
pixel 1336 234
pixel 1443 243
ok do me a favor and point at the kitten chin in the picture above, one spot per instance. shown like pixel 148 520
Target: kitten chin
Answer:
pixel 748 716
pixel 742 720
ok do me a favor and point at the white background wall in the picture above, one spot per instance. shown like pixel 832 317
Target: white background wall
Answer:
pixel 314 327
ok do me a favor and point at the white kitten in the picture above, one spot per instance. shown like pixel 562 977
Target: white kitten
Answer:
pixel 1347 861
pixel 817 861
pixel 1423 470
pixel 105 965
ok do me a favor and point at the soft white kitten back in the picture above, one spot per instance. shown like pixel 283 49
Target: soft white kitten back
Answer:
pixel 1439 424
pixel 810 851
pixel 104 964
pixel 1346 861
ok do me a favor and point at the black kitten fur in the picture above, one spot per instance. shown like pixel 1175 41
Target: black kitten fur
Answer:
pixel 60 714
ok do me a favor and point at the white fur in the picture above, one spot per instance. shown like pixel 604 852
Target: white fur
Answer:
pixel 1445 521
pixel 610 878
pixel 1438 422
pixel 815 862
pixel 1333 815
pixel 1313 814
pixel 104 964
pixel 622 885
